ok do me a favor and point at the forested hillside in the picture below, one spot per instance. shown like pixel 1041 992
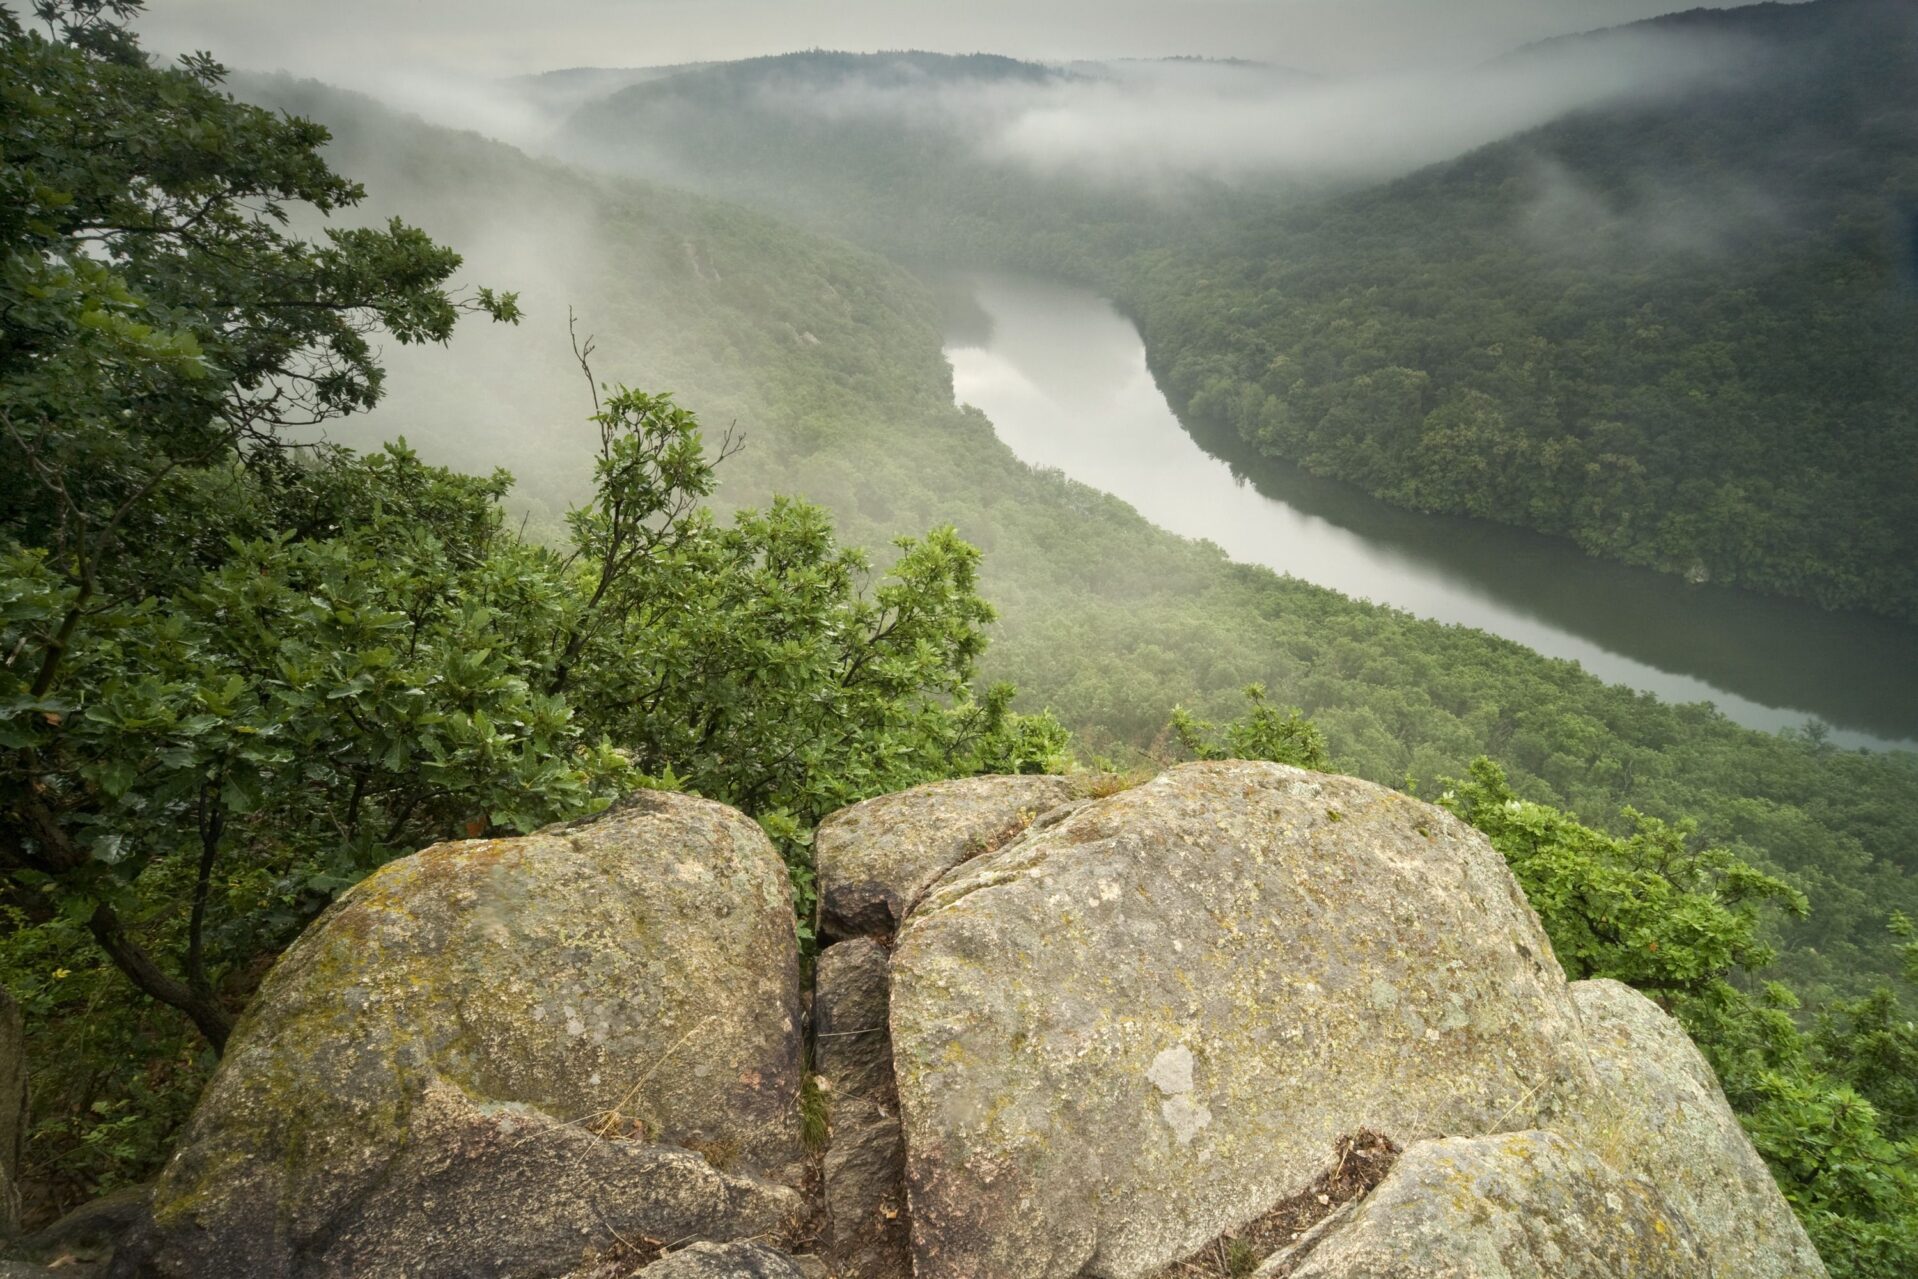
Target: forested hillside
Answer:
pixel 243 670
pixel 889 150
pixel 1679 333
pixel 1674 326
pixel 828 360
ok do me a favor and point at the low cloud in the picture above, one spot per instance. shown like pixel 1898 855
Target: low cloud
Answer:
pixel 1158 121
pixel 1692 215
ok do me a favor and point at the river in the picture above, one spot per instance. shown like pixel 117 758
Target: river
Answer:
pixel 1063 377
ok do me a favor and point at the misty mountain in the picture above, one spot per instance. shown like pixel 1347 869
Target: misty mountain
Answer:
pixel 1661 307
pixel 964 146
pixel 893 149
pixel 556 95
pixel 1679 330
pixel 828 361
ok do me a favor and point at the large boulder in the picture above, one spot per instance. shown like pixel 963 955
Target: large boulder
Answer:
pixel 13 1111
pixel 493 1057
pixel 1126 1033
pixel 86 1238
pixel 875 859
pixel 1659 1111
pixel 1521 1204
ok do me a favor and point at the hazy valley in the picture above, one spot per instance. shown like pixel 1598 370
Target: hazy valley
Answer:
pixel 1499 416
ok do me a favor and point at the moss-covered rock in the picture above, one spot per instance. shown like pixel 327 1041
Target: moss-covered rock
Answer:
pixel 1520 1205
pixel 1659 1111
pixel 473 1063
pixel 1144 1025
pixel 875 859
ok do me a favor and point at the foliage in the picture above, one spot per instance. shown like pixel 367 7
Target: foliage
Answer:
pixel 1651 909
pixel 1262 732
pixel 113 1078
pixel 1829 1108
pixel 233 755
pixel 162 329
pixel 240 674
pixel 746 659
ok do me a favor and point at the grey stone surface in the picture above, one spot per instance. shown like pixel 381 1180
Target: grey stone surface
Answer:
pixel 468 1065
pixel 13 1111
pixel 1129 1032
pixel 875 858
pixel 723 1261
pixel 92 1232
pixel 1526 1205
pixel 1659 1111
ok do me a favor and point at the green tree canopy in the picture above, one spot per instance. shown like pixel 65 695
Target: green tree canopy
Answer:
pixel 240 673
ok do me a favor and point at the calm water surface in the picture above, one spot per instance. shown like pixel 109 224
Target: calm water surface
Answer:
pixel 1063 377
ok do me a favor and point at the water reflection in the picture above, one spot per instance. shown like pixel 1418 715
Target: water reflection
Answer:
pixel 1064 378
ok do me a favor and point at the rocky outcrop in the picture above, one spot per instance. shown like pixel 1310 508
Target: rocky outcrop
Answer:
pixel 875 859
pixel 1128 1032
pixel 13 1112
pixel 1660 1112
pixel 1112 1037
pixel 1518 1204
pixel 493 1057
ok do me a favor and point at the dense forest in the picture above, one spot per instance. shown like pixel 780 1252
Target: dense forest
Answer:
pixel 247 663
pixel 828 363
pixel 1673 327
pixel 1679 334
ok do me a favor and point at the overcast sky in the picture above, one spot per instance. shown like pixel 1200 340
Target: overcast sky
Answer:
pixel 346 39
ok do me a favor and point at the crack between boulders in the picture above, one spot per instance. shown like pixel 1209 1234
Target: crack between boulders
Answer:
pixel 1300 1221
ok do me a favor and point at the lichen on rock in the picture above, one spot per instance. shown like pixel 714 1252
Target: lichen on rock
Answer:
pixel 475 1036
pixel 723 1261
pixel 1659 1111
pixel 1499 1207
pixel 1124 1034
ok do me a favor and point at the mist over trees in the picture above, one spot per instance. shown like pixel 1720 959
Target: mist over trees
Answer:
pixel 1668 323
